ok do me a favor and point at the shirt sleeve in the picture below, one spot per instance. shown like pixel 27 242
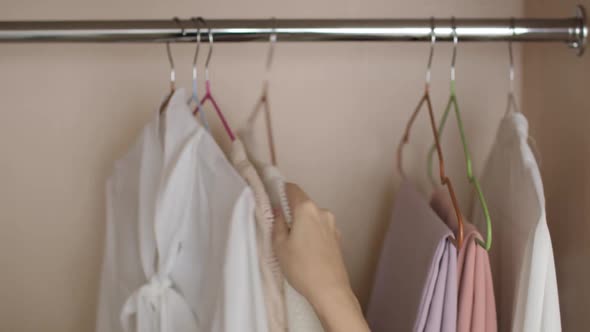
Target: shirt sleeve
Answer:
pixel 537 306
pixel 244 308
pixel 551 313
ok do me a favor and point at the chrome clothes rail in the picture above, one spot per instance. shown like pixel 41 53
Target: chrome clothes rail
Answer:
pixel 572 31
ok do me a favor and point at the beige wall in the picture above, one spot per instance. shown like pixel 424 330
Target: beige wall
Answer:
pixel 557 104
pixel 68 111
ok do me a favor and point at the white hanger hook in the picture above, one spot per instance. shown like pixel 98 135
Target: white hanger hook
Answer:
pixel 511 69
pixel 432 42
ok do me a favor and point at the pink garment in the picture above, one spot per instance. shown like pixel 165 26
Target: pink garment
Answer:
pixel 416 283
pixel 272 278
pixel 477 305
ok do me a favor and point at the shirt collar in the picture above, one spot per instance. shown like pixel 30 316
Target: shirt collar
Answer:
pixel 514 127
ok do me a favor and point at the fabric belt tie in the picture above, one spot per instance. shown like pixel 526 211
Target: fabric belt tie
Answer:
pixel 152 304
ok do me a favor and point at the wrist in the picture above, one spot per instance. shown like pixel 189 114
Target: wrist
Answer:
pixel 337 300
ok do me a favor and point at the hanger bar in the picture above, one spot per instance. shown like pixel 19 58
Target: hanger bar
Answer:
pixel 572 30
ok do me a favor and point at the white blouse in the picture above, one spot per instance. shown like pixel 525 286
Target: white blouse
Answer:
pixel 180 250
pixel 521 256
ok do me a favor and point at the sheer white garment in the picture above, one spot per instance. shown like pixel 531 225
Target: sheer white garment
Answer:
pixel 521 257
pixel 180 250
pixel 300 314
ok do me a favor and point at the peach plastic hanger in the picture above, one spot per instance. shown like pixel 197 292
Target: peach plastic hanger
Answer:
pixel 263 99
pixel 208 96
pixel 172 70
pixel 405 138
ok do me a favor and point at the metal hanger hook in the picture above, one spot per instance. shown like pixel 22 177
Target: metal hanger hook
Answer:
pixel 432 42
pixel 272 41
pixel 455 42
pixel 197 21
pixel 210 34
pixel 170 58
pixel 511 69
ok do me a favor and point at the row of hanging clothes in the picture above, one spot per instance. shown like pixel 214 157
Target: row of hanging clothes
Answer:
pixel 188 242
pixel 454 280
pixel 188 233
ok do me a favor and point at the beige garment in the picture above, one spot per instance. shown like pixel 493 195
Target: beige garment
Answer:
pixel 300 314
pixel 476 302
pixel 272 279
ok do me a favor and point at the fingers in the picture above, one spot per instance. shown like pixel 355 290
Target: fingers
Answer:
pixel 328 217
pixel 304 209
pixel 280 232
pixel 295 195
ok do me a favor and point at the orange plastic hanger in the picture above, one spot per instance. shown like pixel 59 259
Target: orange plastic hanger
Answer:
pixel 405 138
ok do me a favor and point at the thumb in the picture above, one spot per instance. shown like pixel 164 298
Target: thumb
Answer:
pixel 280 231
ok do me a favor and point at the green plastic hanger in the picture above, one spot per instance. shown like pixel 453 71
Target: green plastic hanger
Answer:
pixel 453 103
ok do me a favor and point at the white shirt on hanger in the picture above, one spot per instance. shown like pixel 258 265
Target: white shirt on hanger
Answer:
pixel 180 250
pixel 521 256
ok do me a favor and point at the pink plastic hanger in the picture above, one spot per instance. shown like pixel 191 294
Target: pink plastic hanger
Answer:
pixel 208 96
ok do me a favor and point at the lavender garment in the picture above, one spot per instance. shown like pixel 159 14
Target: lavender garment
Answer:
pixel 434 318
pixel 442 314
pixel 415 287
pixel 449 322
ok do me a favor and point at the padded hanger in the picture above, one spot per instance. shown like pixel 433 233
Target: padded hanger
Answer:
pixel 453 103
pixel 263 103
pixel 208 96
pixel 458 241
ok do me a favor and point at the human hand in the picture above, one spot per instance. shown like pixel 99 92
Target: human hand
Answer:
pixel 311 259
